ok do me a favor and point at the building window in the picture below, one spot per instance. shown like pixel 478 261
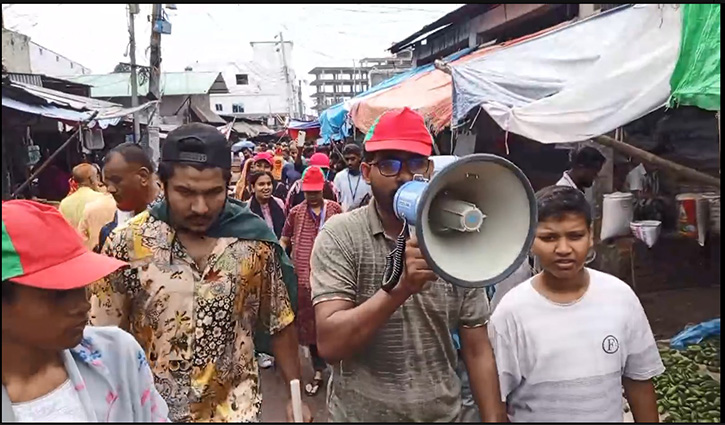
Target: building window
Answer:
pixel 242 79
pixel 57 58
pixel 41 51
pixel 237 108
pixel 219 107
pixel 71 65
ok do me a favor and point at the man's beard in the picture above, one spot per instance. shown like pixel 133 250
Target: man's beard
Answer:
pixel 384 199
pixel 179 223
pixel 354 171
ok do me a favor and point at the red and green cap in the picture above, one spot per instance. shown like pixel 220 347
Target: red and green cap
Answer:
pixel 41 249
pixel 400 130
pixel 313 180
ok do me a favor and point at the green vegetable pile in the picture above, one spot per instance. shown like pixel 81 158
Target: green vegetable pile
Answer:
pixel 685 393
pixel 707 353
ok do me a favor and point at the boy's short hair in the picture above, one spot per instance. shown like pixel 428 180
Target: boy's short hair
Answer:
pixel 352 149
pixel 556 201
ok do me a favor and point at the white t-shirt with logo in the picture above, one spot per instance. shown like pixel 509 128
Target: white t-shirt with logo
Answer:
pixel 564 363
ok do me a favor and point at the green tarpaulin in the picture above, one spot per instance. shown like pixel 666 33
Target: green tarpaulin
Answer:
pixel 696 78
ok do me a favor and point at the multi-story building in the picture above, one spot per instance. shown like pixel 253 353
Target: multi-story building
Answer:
pixel 334 85
pixel 22 55
pixel 337 84
pixel 383 68
pixel 264 86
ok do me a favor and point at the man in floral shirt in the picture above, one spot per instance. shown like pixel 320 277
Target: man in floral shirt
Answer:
pixel 206 280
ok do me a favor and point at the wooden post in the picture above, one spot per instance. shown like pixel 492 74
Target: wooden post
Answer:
pixel 717 115
pixel 677 169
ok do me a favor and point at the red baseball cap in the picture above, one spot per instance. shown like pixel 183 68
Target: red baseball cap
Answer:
pixel 400 130
pixel 320 160
pixel 40 249
pixel 264 156
pixel 313 180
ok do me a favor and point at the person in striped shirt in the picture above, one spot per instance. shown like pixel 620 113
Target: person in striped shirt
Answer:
pixel 300 231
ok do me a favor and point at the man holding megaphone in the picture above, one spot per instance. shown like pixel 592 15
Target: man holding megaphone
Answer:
pixel 392 352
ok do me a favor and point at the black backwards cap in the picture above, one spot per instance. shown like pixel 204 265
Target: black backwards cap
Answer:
pixel 197 143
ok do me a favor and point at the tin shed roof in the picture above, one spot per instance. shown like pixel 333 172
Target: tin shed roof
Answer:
pixel 172 84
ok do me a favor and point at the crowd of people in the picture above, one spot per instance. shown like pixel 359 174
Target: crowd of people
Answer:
pixel 190 289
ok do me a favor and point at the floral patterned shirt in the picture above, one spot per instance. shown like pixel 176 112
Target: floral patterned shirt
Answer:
pixel 196 326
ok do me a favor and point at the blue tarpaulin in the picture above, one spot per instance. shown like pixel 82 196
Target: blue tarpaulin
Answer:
pixel 334 124
pixel 696 334
pixel 303 125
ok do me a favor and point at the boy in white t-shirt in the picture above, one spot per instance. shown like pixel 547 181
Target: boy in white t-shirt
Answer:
pixel 569 338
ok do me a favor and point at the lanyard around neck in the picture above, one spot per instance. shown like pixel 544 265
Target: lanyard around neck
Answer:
pixel 349 183
pixel 321 216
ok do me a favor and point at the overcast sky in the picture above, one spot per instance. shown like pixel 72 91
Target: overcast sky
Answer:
pixel 324 35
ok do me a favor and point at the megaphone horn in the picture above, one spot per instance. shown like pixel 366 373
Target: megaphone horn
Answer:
pixel 474 220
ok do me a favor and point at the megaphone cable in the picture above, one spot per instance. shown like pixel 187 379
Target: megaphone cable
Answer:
pixel 394 261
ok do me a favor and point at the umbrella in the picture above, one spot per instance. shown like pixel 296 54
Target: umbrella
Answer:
pixel 239 146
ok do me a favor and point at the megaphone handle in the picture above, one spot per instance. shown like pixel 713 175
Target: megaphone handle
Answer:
pixel 394 261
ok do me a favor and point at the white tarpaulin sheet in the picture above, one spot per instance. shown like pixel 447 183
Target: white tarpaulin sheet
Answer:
pixel 577 82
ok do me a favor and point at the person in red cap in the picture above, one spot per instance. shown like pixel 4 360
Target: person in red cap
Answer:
pixel 393 354
pixel 55 368
pixel 295 195
pixel 300 230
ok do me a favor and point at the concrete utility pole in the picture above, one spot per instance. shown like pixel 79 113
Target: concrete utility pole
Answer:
pixel 299 99
pixel 133 9
pixel 285 69
pixel 154 84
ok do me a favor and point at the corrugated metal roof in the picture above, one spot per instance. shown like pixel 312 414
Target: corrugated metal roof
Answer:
pixel 68 100
pixel 251 129
pixel 63 106
pixel 206 115
pixel 32 79
pixel 172 84
pixel 463 13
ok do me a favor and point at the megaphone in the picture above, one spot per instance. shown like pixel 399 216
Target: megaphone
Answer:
pixel 474 220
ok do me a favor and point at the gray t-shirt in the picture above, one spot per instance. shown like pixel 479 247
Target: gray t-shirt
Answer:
pixel 408 371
